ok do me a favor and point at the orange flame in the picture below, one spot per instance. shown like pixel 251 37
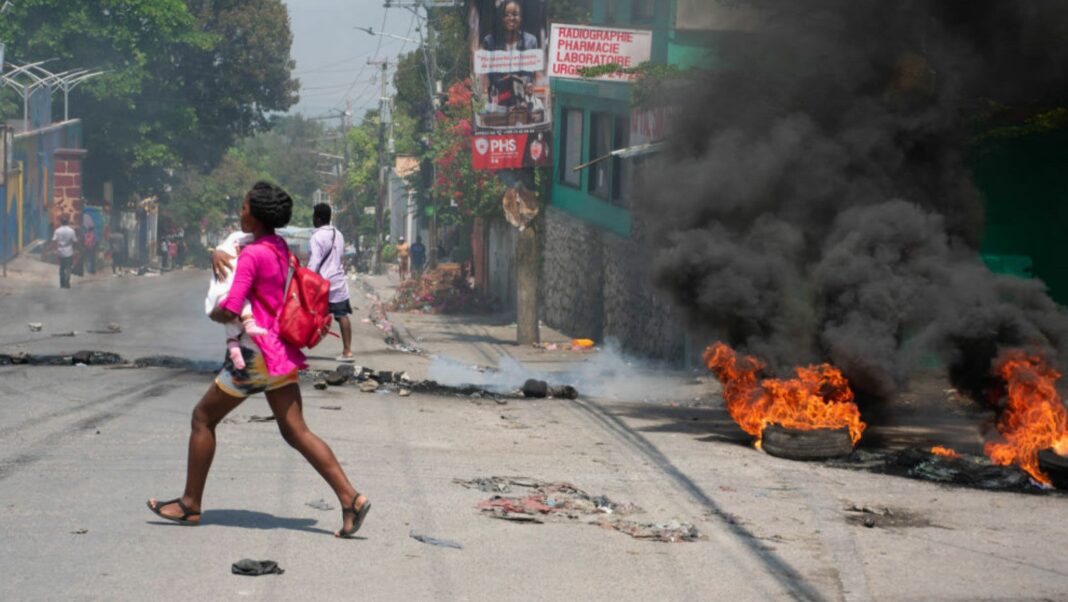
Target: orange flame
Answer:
pixel 1034 418
pixel 938 450
pixel 819 398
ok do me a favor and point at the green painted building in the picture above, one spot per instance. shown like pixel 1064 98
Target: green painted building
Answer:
pixel 593 118
pixel 593 284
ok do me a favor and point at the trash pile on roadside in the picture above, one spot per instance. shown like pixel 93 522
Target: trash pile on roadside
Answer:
pixel 440 291
pixel 542 501
pixel 385 382
pixel 378 318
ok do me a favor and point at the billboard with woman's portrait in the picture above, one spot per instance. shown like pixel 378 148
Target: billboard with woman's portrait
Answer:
pixel 513 114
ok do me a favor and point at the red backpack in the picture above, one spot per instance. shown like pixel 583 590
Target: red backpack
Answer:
pixel 305 316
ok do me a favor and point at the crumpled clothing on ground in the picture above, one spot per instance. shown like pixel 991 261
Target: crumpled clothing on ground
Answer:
pixel 254 568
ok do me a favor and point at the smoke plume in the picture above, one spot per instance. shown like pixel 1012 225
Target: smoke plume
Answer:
pixel 816 203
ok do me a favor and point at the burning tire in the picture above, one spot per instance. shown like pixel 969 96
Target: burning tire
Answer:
pixel 818 444
pixel 1055 466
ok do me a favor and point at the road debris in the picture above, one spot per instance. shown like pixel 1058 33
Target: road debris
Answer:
pixel 335 408
pixel 538 389
pixel 79 531
pixel 871 517
pixel 255 568
pixel 967 470
pixel 560 501
pixel 35 326
pixel 434 541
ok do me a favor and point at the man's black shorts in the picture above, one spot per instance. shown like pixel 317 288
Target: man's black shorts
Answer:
pixel 341 309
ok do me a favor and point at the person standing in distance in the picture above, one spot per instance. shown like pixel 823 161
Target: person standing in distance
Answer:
pixel 327 246
pixel 403 252
pixel 63 239
pixel 418 252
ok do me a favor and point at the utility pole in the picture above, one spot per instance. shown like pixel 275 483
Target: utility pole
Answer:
pixel 429 48
pixel 383 165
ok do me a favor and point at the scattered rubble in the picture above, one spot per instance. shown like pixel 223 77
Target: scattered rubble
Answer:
pixel 35 326
pixel 560 501
pixel 381 321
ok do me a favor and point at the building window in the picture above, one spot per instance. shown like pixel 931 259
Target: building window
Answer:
pixel 572 146
pixel 644 11
pixel 601 138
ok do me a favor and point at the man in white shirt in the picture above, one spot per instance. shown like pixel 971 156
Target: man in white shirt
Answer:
pixel 63 239
pixel 327 246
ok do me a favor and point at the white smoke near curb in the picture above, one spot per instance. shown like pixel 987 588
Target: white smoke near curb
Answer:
pixel 606 373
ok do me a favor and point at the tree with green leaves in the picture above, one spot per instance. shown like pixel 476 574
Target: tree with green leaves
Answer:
pixel 184 78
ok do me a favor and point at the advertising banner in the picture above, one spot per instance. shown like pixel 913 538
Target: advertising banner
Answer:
pixel 577 47
pixel 512 105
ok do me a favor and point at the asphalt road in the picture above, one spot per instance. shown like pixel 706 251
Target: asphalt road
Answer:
pixel 81 448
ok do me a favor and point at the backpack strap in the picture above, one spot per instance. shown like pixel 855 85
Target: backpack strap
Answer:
pixel 333 241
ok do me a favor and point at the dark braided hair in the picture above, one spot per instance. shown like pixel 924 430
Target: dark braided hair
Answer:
pixel 269 204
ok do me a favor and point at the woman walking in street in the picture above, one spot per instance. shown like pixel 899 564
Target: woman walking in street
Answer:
pixel 272 367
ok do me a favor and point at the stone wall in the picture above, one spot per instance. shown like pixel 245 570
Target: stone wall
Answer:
pixel 572 281
pixel 596 284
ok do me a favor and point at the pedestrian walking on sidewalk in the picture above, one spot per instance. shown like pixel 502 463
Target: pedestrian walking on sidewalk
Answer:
pixel 327 247
pixel 63 240
pixel 418 252
pixel 403 252
pixel 272 367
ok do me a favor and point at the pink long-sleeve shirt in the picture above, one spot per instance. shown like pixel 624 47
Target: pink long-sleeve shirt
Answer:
pixel 260 277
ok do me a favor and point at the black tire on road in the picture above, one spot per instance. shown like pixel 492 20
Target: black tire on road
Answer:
pixel 1055 466
pixel 819 444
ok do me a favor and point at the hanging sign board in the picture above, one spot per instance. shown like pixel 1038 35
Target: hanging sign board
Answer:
pixel 577 47
pixel 512 123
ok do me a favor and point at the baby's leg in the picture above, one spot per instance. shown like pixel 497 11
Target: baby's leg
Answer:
pixel 235 353
pixel 251 327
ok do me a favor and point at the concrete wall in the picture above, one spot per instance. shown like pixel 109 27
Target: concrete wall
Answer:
pixel 596 285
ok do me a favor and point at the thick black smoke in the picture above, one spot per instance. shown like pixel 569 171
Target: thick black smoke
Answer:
pixel 816 202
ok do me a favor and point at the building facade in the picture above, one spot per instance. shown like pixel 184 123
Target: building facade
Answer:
pixel 595 279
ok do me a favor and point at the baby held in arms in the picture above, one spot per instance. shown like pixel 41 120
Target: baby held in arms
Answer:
pixel 217 291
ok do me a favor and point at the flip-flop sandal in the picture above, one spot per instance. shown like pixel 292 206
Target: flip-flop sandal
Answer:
pixel 348 359
pixel 358 521
pixel 186 514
